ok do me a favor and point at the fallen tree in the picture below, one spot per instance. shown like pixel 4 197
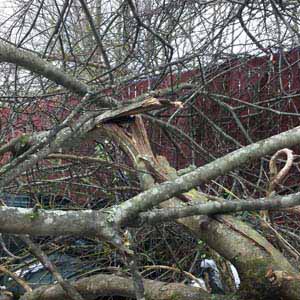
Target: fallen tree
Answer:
pixel 255 258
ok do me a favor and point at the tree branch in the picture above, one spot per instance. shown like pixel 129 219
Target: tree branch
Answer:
pixel 220 166
pixel 92 222
pixel 81 128
pixel 169 214
pixel 16 220
pixel 33 63
pixel 46 262
pixel 111 285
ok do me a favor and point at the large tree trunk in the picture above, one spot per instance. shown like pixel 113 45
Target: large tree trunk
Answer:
pixel 236 241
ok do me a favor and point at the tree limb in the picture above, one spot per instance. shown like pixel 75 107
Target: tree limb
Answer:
pixel 169 214
pixel 220 166
pixel 110 285
pixel 93 222
pixel 33 63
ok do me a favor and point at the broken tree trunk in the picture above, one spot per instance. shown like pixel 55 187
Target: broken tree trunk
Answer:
pixel 236 241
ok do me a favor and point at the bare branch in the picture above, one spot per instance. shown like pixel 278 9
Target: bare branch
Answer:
pixel 111 285
pixel 33 63
pixel 46 262
pixel 169 214
pixel 220 166
pixel 98 222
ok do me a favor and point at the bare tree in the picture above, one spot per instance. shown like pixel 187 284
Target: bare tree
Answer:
pixel 151 120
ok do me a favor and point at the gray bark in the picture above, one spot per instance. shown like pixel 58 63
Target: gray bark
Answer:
pixel 33 63
pixel 110 285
